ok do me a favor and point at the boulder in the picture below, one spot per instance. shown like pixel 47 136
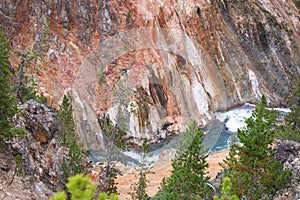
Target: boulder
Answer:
pixel 40 120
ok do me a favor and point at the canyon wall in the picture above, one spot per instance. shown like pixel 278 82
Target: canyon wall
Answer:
pixel 158 63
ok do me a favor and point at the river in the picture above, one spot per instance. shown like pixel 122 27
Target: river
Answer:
pixel 219 135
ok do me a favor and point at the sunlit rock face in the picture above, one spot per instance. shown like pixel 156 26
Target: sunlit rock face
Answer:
pixel 173 60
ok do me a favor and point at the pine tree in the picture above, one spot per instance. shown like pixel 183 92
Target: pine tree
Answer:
pixel 109 173
pixel 139 188
pixel 73 163
pixel 251 166
pixel 115 132
pixel 8 101
pixel 188 179
pixel 66 122
pixel 290 128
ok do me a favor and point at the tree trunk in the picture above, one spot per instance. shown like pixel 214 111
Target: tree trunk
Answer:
pixel 20 77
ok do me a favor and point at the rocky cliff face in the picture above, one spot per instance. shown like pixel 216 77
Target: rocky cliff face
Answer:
pixel 177 60
pixel 31 166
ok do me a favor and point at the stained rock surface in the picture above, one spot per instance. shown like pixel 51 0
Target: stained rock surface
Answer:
pixel 180 60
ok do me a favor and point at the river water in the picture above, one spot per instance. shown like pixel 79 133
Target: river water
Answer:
pixel 218 136
pixel 232 121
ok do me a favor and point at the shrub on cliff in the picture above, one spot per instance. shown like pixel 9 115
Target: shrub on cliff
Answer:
pixel 251 166
pixel 188 179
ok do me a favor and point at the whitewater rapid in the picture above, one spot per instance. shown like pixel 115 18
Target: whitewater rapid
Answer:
pixel 231 121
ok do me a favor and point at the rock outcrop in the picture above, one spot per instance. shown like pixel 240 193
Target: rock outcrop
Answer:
pixel 31 166
pixel 40 120
pixel 288 153
pixel 41 154
pixel 180 60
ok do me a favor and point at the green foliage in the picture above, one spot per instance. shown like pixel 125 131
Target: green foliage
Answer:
pixel 226 191
pixel 61 195
pixel 139 188
pixel 188 179
pixel 31 62
pixel 42 42
pixel 291 124
pixel 113 197
pixel 187 137
pixel 118 136
pixel 8 101
pixel 266 12
pixel 66 122
pixel 20 131
pixel 111 187
pixel 109 173
pixel 73 163
pixel 103 196
pixel 29 91
pixel 102 77
pixel 115 133
pixel 19 164
pixel 121 96
pixel 160 196
pixel 26 87
pixel 80 188
pixel 251 167
pixel 129 15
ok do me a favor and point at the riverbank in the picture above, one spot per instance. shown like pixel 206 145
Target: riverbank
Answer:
pixel 163 169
